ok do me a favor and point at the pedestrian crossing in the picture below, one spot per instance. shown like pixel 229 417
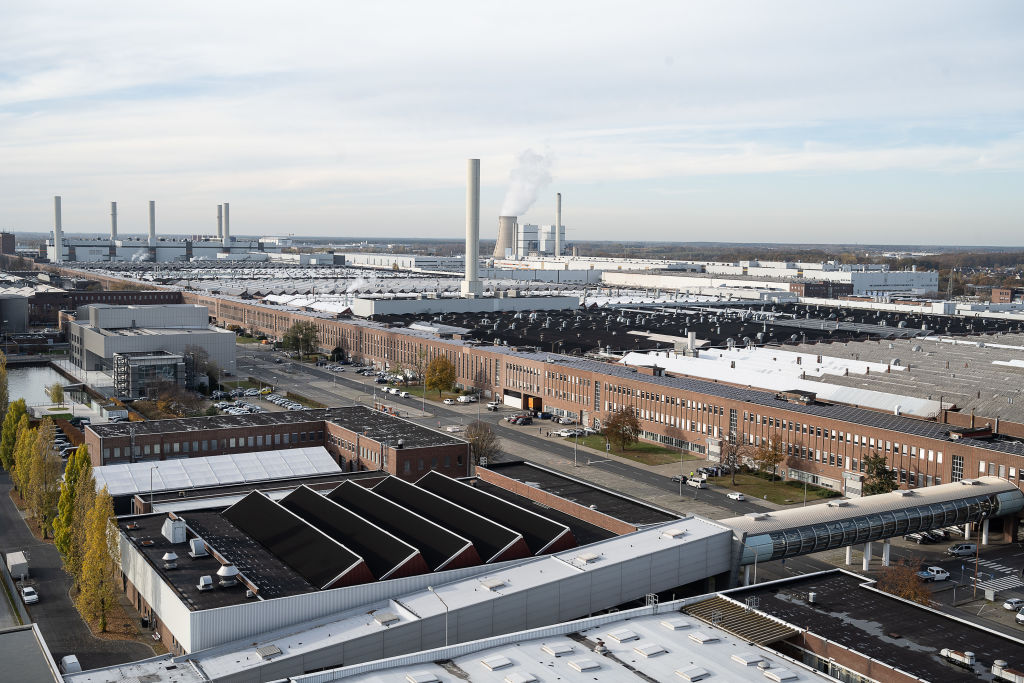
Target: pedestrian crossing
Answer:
pixel 1011 578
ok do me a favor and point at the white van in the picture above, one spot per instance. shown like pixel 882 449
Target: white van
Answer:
pixel 69 665
pixel 962 549
pixel 696 483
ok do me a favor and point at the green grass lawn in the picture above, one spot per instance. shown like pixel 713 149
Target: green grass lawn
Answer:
pixel 780 492
pixel 642 452
pixel 417 391
pixel 242 339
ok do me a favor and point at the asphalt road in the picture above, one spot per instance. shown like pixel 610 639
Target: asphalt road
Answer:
pixel 59 621
pixel 295 377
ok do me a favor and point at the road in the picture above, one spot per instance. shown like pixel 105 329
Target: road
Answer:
pixel 352 388
pixel 61 626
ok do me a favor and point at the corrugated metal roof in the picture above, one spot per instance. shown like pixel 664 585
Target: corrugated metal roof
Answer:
pixel 187 473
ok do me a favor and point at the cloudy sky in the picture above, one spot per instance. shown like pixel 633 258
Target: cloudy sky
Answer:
pixel 871 122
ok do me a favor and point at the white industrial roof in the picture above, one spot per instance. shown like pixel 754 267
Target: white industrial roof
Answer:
pixel 236 468
pixel 778 370
pixel 662 650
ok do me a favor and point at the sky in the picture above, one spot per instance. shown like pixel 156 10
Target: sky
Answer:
pixel 866 122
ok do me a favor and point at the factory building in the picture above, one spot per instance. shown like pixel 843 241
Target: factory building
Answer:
pixel 143 346
pixel 61 249
pixel 359 438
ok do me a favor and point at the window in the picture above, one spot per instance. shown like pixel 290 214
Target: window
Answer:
pixel 957 468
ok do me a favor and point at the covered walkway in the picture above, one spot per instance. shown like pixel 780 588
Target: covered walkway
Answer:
pixel 764 536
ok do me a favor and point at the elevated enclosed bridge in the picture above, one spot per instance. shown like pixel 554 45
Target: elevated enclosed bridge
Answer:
pixel 775 535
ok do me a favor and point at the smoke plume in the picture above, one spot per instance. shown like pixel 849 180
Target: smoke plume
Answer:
pixel 531 176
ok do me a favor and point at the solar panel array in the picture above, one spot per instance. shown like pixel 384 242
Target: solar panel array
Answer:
pixel 539 532
pixel 318 558
pixel 440 547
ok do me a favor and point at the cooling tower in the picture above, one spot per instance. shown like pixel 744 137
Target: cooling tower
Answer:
pixel 507 229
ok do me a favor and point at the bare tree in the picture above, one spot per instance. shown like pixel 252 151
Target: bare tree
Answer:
pixel 769 455
pixel 900 579
pixel 735 450
pixel 483 441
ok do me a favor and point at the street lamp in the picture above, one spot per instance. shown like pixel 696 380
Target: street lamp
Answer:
pixel 154 467
pixel 431 589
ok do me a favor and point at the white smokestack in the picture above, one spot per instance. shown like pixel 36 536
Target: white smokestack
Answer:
pixel 58 232
pixel 113 221
pixel 220 221
pixel 152 223
pixel 226 237
pixel 471 285
pixel 558 224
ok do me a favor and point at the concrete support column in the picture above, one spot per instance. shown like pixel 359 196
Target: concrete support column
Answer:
pixel 849 554
pixel 967 531
pixel 867 556
pixel 984 532
pixel 746 575
pixel 885 553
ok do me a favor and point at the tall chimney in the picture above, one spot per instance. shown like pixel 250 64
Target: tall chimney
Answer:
pixel 58 232
pixel 152 223
pixel 558 224
pixel 220 221
pixel 471 285
pixel 226 237
pixel 113 221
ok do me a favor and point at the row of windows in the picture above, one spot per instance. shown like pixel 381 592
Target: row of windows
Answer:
pixel 206 445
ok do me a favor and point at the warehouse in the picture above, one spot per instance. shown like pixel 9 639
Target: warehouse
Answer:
pixel 359 438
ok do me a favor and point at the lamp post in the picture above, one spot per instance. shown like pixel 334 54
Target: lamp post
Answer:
pixel 431 589
pixel 154 467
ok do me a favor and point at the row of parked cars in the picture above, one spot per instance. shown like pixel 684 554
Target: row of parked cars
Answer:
pixel 238 393
pixel 933 536
pixel 285 402
pixel 61 441
pixel 238 408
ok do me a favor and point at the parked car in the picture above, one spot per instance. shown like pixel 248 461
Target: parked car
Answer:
pixel 917 538
pixel 1020 617
pixel 252 392
pixel 494 405
pixel 962 549
pixel 933 574
pixel 403 394
pixel 697 483
pixel 679 478
pixel 467 398
pixel 1014 604
pixel 29 595
pixel 449 401
pixel 736 495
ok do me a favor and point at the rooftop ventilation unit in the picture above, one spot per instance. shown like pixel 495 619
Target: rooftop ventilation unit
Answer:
pixel 673 533
pixel 173 530
pixel 757 516
pixel 838 503
pixel 268 651
pixel 675 624
pixel 493 584
pixel 205 583
pixel 558 649
pixel 228 575
pixel 197 548
pixel 385 618
pixel 702 638
pixel 421 677
pixel 970 482
pixel 588 558
pixel 904 492
pixel 170 560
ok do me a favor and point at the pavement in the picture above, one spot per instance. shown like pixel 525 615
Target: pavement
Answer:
pixel 62 627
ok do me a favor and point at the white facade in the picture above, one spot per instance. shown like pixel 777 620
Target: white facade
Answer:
pixel 538 240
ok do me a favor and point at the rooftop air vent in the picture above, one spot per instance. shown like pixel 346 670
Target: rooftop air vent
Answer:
pixel 969 482
pixel 493 584
pixel 588 558
pixel 557 649
pixel 584 664
pixel 675 624
pixel 693 673
pixel 421 677
pixel 197 548
pixel 747 658
pixel 623 635
pixel 838 503
pixel 173 530
pixel 758 516
pixel 780 675
pixel 496 662
pixel 228 574
pixel 904 492
pixel 673 533
pixel 384 618
pixel 649 649
pixel 205 583
pixel 170 560
pixel 268 651
pixel 703 638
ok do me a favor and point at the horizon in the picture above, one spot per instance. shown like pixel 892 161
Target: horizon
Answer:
pixel 666 120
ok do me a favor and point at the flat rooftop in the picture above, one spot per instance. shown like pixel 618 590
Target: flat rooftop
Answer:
pixel 900 634
pixel 615 505
pixel 24 656
pixel 273 577
pixel 371 423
